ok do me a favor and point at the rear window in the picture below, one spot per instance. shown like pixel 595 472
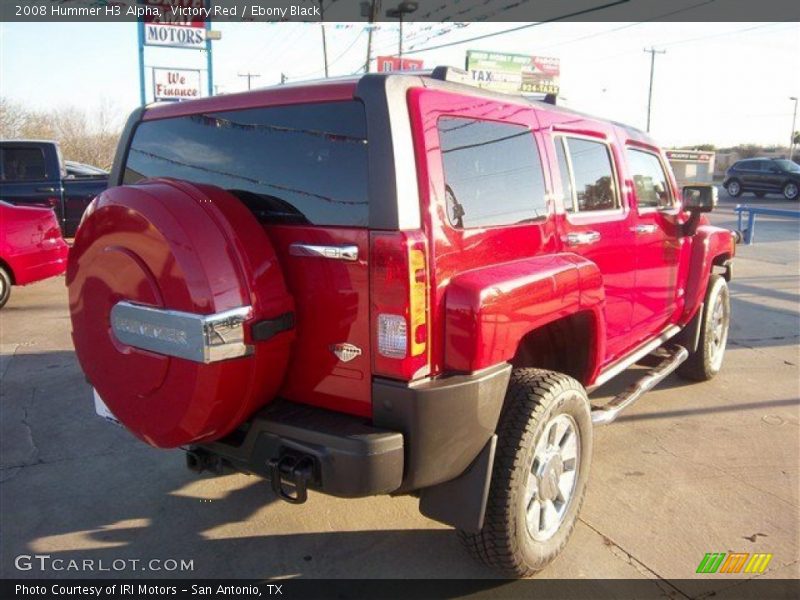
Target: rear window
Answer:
pixel 23 164
pixel 304 164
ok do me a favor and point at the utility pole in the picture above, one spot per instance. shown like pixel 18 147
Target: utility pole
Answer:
pixel 653 53
pixel 324 43
pixel 249 76
pixel 370 10
pixel 794 123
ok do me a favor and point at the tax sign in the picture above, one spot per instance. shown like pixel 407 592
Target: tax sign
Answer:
pixel 176 84
pixel 179 23
pixel 514 72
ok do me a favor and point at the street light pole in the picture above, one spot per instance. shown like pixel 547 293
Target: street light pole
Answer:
pixel 324 43
pixel 404 8
pixel 794 122
pixel 653 53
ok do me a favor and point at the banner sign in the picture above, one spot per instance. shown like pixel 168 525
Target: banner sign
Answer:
pixel 514 72
pixel 178 23
pixel 176 84
pixel 393 63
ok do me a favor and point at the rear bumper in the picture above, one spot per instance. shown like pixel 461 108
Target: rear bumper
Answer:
pixel 41 263
pixel 421 435
pixel 350 457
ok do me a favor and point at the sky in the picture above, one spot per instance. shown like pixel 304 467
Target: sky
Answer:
pixel 720 83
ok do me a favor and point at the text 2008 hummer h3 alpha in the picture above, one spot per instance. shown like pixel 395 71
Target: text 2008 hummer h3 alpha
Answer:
pixel 395 284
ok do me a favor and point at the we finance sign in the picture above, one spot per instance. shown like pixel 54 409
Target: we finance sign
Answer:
pixel 176 23
pixel 176 84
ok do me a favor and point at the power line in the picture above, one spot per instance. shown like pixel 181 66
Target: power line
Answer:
pixel 686 41
pixel 628 25
pixel 521 27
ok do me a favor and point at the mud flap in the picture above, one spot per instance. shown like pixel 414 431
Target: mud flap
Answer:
pixel 461 502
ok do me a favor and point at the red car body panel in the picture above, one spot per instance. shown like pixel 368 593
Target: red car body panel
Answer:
pixel 331 307
pixel 490 310
pixel 31 244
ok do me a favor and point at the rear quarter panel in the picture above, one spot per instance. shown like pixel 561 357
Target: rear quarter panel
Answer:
pixel 31 243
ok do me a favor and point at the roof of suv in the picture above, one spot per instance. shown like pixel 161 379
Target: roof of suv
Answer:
pixel 340 88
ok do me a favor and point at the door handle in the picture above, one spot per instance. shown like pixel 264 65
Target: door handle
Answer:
pixel 582 238
pixel 46 189
pixel 349 253
pixel 644 229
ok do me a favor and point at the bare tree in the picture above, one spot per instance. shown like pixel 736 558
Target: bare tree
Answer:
pixel 87 137
pixel 12 118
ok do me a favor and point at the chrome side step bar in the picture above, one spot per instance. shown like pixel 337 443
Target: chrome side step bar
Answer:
pixel 608 413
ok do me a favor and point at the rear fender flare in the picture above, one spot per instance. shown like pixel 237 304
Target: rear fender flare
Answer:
pixel 489 311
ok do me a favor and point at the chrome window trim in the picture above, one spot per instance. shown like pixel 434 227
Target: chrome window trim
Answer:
pixel 199 338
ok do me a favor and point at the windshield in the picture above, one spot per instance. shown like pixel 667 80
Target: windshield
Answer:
pixel 788 165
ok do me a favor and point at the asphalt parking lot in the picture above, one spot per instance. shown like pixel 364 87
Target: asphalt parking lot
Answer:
pixel 690 469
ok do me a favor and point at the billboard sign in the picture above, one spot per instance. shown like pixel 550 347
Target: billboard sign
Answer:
pixel 393 63
pixel 176 84
pixel 514 73
pixel 690 155
pixel 175 29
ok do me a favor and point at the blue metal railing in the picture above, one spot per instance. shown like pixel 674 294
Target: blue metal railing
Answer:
pixel 752 211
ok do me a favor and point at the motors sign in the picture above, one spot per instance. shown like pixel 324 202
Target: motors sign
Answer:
pixel 514 72
pixel 176 84
pixel 172 27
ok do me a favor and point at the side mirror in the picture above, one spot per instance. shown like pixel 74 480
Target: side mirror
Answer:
pixel 700 198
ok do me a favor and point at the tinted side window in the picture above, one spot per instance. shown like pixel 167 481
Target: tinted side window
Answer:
pixel 592 175
pixel 493 173
pixel 23 164
pixel 749 165
pixel 303 164
pixel 649 179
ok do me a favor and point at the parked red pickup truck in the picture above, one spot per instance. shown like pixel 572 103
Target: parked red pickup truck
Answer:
pixel 395 284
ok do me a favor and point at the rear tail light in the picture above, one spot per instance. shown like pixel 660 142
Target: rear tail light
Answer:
pixel 399 292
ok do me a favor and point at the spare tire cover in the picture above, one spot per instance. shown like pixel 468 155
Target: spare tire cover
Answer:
pixel 173 245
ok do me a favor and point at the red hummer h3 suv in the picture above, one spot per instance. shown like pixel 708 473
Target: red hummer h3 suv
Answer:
pixel 394 284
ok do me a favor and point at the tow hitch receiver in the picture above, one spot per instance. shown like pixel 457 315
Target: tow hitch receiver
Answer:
pixel 294 470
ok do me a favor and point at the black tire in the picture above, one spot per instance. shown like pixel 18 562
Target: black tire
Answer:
pixel 537 402
pixel 734 188
pixel 706 361
pixel 791 191
pixel 5 286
